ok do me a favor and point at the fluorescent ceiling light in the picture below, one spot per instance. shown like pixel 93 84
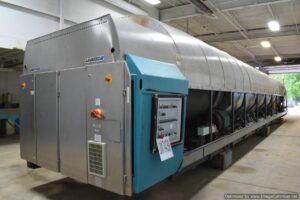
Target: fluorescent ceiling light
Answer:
pixel 277 58
pixel 153 2
pixel 265 44
pixel 274 25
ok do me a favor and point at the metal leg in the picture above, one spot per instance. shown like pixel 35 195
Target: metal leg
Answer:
pixel 272 105
pixel 245 111
pixel 210 115
pixel 232 112
pixel 266 108
pixel 276 108
pixel 32 165
pixel 256 108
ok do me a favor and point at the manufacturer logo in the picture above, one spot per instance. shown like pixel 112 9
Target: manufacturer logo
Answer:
pixel 95 59
pixel 34 69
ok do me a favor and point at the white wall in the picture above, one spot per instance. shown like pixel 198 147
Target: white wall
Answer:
pixel 18 26
pixel 22 20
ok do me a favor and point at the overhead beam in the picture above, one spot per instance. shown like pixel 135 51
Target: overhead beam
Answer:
pixel 294 16
pixel 34 11
pixel 126 7
pixel 149 9
pixel 179 12
pixel 135 7
pixel 251 34
pixel 283 69
pixel 241 4
pixel 190 10
pixel 120 5
pixel 248 52
pixel 271 57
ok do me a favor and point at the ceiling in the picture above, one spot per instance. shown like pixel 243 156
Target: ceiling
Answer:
pixel 238 26
pixel 235 26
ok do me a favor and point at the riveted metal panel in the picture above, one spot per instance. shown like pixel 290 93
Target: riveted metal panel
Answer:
pixel 256 78
pixel 191 58
pixel 229 74
pixel 269 86
pixel 46 120
pixel 72 123
pixel 261 82
pixel 27 133
pixel 215 67
pixel 142 40
pixel 274 88
pixel 236 70
pixel 252 77
pixel 247 83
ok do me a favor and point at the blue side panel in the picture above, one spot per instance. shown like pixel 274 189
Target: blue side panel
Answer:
pixel 164 77
pixel 152 77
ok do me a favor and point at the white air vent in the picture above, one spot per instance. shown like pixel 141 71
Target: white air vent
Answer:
pixel 97 158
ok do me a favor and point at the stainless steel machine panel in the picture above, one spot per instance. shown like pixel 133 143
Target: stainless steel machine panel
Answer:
pixel 229 76
pixel 237 73
pixel 202 64
pixel 71 47
pixel 72 126
pixel 46 120
pixel 27 135
pixel 111 98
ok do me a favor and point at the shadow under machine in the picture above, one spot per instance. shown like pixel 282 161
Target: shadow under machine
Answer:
pixel 124 103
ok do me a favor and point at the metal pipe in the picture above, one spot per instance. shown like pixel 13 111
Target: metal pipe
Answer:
pixel 61 19
pixel 127 7
pixel 294 17
pixel 228 20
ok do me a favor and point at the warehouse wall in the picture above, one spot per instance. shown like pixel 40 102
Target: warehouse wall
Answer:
pixel 9 82
pixel 22 20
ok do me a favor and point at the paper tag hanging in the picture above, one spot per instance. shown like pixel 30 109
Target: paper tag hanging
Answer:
pixel 164 148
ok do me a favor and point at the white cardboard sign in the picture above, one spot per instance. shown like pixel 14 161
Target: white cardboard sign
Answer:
pixel 164 148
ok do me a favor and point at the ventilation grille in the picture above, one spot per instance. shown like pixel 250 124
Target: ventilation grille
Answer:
pixel 96 159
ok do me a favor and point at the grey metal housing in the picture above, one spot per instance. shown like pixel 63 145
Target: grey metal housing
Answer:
pixel 206 67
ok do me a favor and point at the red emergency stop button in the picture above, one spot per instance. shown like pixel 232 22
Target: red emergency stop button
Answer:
pixel 23 85
pixel 97 113
pixel 108 79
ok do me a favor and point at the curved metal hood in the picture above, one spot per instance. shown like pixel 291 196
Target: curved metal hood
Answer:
pixel 110 38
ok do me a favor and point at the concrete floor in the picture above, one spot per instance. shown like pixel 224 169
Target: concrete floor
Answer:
pixel 261 165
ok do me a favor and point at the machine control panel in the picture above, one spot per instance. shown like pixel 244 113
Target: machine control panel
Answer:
pixel 166 118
